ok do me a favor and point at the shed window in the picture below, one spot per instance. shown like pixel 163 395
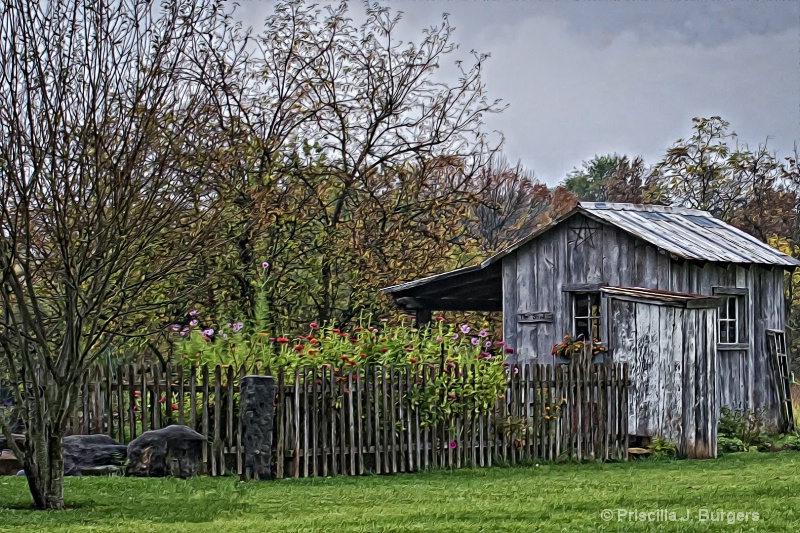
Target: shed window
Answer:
pixel 586 315
pixel 729 318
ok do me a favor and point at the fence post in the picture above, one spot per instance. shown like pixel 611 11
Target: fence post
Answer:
pixel 257 413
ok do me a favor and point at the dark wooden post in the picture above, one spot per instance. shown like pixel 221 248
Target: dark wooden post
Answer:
pixel 422 317
pixel 257 413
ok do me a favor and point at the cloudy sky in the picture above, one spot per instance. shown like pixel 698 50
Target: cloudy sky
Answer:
pixel 593 77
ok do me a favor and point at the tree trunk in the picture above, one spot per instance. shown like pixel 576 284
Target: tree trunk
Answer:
pixel 44 467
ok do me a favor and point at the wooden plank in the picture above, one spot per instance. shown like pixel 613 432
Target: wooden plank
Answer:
pixel 417 430
pixel 400 379
pixel 376 397
pixel 323 428
pixel 351 422
pixel 510 307
pixel 408 422
pixel 132 408
pixel 296 424
pixel 359 378
pixel 181 396
pixel 314 416
pixel 145 398
pixel 342 429
pixel 217 457
pixel 229 399
pixel 168 394
pixel 239 427
pixel 120 407
pixel 193 398
pixel 156 368
pixel 280 410
pixel 204 399
pixel 306 415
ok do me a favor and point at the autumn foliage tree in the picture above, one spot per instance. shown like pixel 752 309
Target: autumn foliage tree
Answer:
pixel 104 115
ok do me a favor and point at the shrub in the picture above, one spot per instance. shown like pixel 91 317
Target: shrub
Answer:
pixel 730 445
pixel 661 448
pixel 745 425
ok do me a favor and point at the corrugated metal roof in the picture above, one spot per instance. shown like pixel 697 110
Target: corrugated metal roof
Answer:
pixel 687 233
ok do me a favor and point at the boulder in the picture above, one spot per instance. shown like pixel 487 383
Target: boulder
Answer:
pixel 9 465
pixel 174 451
pixel 88 451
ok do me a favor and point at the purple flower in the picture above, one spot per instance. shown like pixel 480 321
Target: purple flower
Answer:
pixel 176 327
pixel 229 324
pixel 193 312
pixel 455 336
pixel 516 370
pixel 488 344
pixel 464 329
pixel 474 341
pixel 193 322
pixel 208 332
pixel 183 333
pixel 265 265
pixel 439 339
pixel 236 327
pixel 482 333
pixel 453 444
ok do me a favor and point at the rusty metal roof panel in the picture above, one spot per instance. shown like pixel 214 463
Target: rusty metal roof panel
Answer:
pixel 687 233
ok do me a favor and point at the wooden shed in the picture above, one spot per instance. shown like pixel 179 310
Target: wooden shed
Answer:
pixel 694 305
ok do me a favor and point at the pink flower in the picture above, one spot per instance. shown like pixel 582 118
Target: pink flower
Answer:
pixel 501 343
pixel 453 444
pixel 314 325
pixel 474 341
pixel 482 333
pixel 488 344
pixel 265 265
pixel 509 350
pixel 440 318
pixel 193 312
pixel 439 339
pixel 174 407
pixel 162 400
pixel 465 329
pixel 193 322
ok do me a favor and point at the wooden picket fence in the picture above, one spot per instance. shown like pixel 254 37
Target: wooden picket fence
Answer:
pixel 356 420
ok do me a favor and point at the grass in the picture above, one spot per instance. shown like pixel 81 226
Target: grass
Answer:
pixel 545 498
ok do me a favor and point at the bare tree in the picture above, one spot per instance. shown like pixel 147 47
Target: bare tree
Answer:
pixel 105 116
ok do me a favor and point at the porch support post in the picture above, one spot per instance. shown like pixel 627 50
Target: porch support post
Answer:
pixel 422 317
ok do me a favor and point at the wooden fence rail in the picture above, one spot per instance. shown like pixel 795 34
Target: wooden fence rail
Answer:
pixel 381 419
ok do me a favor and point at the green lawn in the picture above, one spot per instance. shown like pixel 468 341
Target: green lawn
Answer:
pixel 545 498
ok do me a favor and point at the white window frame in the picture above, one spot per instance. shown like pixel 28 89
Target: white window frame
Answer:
pixel 726 321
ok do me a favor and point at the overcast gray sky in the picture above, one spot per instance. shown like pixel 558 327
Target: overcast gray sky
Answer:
pixel 593 77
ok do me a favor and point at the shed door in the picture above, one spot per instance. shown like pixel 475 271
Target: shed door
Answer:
pixel 649 338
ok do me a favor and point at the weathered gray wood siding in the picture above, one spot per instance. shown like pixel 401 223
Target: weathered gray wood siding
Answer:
pixel 671 354
pixel 582 251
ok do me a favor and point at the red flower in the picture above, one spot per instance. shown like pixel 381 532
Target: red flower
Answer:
pixel 356 328
pixel 335 330
pixel 344 358
pixel 354 341
pixel 312 352
pixel 384 350
pixel 440 318
pixel 137 394
pixel 314 325
pixel 509 350
pixel 412 360
pixel 299 348
pixel 162 400
pixel 282 340
pixel 174 407
pixel 312 340
pixel 362 355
